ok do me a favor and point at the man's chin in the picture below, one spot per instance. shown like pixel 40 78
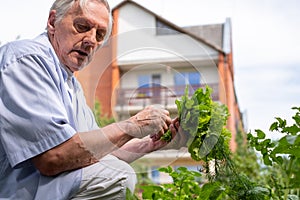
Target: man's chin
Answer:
pixel 83 63
pixel 79 66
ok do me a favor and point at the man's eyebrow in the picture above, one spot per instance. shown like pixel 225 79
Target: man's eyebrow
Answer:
pixel 102 29
pixel 85 20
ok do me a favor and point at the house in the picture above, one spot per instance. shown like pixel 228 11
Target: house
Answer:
pixel 150 60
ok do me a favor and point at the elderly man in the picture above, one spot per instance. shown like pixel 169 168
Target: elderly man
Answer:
pixel 50 145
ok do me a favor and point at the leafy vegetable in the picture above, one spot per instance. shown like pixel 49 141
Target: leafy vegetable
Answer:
pixel 204 120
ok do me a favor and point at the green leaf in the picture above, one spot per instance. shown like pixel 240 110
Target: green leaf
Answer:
pixel 167 136
pixel 293 130
pixel 260 134
pixel 291 139
pixel 150 190
pixel 297 119
pixel 286 145
pixel 267 160
pixel 208 190
pixel 274 126
pixel 182 169
pixel 264 151
pixel 266 142
pixel 279 160
pixel 167 170
pixel 258 193
pixel 249 136
pixel 293 197
pixel 282 122
pixel 258 147
pixel 189 104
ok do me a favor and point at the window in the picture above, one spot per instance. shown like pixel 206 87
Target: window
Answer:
pixel 150 86
pixel 144 81
pixel 186 78
pixel 144 85
pixel 156 89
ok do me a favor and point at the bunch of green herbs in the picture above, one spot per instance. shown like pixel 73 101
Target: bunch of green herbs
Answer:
pixel 203 120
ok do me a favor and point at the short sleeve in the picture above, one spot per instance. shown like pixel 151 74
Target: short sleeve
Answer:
pixel 33 116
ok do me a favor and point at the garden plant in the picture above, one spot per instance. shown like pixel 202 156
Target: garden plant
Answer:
pixel 223 174
pixel 260 169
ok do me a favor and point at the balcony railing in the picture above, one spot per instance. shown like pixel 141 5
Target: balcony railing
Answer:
pixel 133 100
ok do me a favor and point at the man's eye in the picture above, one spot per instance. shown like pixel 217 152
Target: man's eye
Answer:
pixel 100 36
pixel 81 28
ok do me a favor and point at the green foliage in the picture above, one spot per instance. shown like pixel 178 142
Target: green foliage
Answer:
pixel 130 195
pixel 245 159
pixel 226 174
pixel 205 120
pixel 184 186
pixel 101 119
pixel 282 156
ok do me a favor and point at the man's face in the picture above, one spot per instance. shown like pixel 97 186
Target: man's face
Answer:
pixel 78 35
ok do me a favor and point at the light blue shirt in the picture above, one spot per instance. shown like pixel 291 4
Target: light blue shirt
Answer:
pixel 36 114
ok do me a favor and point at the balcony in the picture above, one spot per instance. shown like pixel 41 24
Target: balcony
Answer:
pixel 131 100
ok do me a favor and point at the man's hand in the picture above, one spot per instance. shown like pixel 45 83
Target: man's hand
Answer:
pixel 139 147
pixel 153 121
pixel 179 137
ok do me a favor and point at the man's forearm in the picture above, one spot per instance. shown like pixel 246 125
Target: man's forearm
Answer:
pixel 132 150
pixel 81 150
pixel 136 148
pixel 88 147
pixel 105 140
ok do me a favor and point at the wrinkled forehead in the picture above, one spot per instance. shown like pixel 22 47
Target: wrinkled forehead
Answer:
pixel 83 3
pixel 63 7
pixel 88 7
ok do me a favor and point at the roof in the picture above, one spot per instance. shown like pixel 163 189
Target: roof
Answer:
pixel 211 35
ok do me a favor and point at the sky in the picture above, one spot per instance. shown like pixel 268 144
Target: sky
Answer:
pixel 265 38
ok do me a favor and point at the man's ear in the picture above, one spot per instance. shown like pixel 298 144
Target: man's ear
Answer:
pixel 51 21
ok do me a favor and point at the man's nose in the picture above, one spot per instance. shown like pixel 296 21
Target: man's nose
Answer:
pixel 90 38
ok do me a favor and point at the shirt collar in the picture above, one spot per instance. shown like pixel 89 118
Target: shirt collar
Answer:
pixel 66 72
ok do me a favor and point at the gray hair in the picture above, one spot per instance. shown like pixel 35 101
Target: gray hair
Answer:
pixel 62 7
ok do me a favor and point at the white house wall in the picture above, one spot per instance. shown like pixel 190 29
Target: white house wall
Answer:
pixel 138 43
